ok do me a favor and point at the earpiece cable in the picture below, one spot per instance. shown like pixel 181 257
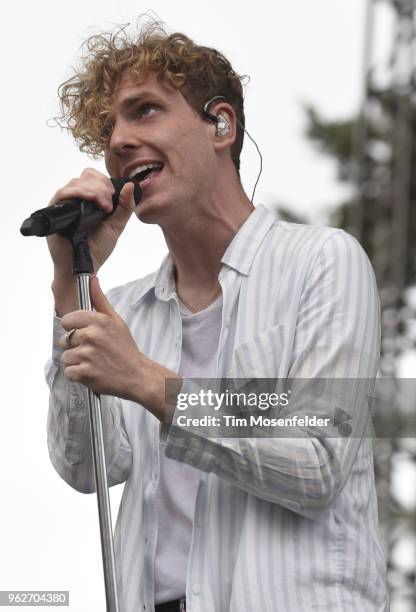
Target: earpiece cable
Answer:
pixel 214 119
pixel 260 155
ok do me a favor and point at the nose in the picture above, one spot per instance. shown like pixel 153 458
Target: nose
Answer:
pixel 122 138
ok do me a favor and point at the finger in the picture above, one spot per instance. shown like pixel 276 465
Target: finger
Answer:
pixel 78 319
pixel 98 299
pixel 75 373
pixel 70 357
pixel 119 218
pixel 98 190
pixel 92 172
pixel 75 340
pixel 126 199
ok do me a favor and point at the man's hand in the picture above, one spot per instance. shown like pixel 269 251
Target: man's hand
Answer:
pixel 104 357
pixel 95 186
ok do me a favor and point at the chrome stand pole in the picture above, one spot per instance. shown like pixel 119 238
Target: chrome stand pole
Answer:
pixel 75 227
pixel 103 498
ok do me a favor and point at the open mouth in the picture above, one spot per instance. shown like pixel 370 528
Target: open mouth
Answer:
pixel 146 173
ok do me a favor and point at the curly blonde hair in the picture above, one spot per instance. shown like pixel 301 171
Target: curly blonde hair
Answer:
pixel 198 72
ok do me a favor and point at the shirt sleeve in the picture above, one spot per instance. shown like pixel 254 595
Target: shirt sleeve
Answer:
pixel 68 428
pixel 336 336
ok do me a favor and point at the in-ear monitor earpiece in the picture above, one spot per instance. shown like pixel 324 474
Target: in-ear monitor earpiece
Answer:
pixel 223 126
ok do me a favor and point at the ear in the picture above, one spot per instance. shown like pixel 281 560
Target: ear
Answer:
pixel 225 130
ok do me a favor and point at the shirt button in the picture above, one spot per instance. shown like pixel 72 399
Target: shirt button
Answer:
pixel 196 590
pixel 79 403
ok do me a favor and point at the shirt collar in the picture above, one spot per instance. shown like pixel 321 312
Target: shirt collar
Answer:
pixel 165 285
pixel 162 282
pixel 242 249
pixel 239 255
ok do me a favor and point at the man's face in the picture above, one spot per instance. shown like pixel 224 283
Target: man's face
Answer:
pixel 154 125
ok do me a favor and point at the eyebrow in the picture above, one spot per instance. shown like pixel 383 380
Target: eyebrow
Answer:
pixel 133 99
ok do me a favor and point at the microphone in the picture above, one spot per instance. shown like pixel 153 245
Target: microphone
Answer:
pixel 74 215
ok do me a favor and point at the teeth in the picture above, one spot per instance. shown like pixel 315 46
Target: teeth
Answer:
pixel 145 167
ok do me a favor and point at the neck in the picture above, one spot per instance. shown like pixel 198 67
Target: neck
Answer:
pixel 198 243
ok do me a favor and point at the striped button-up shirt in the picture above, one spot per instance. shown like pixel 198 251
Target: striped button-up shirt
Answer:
pixel 280 524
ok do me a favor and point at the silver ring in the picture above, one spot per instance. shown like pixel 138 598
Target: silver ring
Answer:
pixel 68 337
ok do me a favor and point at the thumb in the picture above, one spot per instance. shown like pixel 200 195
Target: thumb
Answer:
pixel 125 207
pixel 98 299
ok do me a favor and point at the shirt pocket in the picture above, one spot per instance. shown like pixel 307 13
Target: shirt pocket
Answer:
pixel 259 357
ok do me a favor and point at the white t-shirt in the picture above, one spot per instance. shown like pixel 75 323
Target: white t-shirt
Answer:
pixel 178 482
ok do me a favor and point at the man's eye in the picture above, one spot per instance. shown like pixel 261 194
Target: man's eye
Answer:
pixel 147 110
pixel 106 130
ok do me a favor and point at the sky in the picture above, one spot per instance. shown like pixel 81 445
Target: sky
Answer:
pixel 295 53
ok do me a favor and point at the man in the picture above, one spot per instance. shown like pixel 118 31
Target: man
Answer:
pixel 232 524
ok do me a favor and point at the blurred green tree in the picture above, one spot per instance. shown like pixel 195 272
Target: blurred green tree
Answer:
pixel 375 154
pixel 369 156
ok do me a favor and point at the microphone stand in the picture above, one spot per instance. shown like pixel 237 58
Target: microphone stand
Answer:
pixel 83 269
pixel 74 225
